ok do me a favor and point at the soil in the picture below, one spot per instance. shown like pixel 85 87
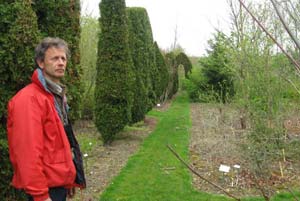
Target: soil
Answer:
pixel 105 162
pixel 216 135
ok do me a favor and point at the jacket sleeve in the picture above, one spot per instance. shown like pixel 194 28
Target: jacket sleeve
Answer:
pixel 26 140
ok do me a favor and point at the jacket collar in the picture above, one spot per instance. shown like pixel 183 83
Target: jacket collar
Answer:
pixel 39 79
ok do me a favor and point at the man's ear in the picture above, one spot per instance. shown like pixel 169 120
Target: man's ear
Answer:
pixel 40 63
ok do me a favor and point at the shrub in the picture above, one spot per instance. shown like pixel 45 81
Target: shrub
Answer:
pixel 62 19
pixel 216 71
pixel 19 36
pixel 173 74
pixel 163 74
pixel 139 50
pixel 113 92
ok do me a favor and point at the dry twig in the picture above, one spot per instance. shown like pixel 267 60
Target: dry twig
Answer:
pixel 200 176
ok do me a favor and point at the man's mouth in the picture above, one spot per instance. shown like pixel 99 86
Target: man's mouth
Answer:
pixel 60 70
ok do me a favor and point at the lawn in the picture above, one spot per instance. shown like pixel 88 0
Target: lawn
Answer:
pixel 154 174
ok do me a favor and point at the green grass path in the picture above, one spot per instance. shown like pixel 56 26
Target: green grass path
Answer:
pixel 153 173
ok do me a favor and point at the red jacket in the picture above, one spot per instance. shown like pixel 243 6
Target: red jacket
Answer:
pixel 38 146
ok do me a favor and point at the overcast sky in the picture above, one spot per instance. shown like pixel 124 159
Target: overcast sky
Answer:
pixel 195 20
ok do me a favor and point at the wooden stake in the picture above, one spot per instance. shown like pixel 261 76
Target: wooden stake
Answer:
pixel 281 169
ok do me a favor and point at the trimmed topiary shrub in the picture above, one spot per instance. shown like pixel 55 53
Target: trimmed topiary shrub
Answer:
pixel 19 36
pixel 173 73
pixel 183 59
pixel 163 73
pixel 62 19
pixel 113 92
pixel 140 37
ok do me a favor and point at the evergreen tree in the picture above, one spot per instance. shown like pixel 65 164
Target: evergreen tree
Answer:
pixel 62 19
pixel 141 33
pixel 163 73
pixel 113 92
pixel 173 74
pixel 19 36
pixel 216 71
pixel 137 34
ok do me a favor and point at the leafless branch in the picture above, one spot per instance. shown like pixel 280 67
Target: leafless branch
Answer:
pixel 274 3
pixel 297 66
pixel 200 176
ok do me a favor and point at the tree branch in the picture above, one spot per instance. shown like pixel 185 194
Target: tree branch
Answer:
pixel 297 66
pixel 196 173
pixel 285 24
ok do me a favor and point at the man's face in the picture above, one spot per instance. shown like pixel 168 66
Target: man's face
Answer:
pixel 54 64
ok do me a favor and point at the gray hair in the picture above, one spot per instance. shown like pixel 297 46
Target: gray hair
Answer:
pixel 47 43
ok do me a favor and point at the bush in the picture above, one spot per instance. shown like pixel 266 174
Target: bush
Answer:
pixel 173 74
pixel 62 19
pixel 113 92
pixel 19 36
pixel 216 71
pixel 163 74
pixel 139 50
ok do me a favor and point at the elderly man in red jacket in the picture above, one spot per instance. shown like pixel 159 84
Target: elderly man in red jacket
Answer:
pixel 45 155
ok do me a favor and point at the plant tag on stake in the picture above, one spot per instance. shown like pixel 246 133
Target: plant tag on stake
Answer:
pixel 224 168
pixel 237 166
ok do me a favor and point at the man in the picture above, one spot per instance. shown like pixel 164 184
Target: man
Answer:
pixel 43 150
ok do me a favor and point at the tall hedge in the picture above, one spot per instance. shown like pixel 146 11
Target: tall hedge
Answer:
pixel 19 36
pixel 140 57
pixel 183 59
pixel 173 74
pixel 150 61
pixel 62 19
pixel 113 93
pixel 141 46
pixel 163 76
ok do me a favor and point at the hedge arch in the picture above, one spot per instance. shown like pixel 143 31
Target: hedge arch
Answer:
pixel 183 59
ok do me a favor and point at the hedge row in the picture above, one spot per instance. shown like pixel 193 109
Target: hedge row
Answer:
pixel 132 74
pixel 113 92
pixel 62 19
pixel 23 24
pixel 19 35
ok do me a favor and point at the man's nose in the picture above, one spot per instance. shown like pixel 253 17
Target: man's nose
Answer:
pixel 61 61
